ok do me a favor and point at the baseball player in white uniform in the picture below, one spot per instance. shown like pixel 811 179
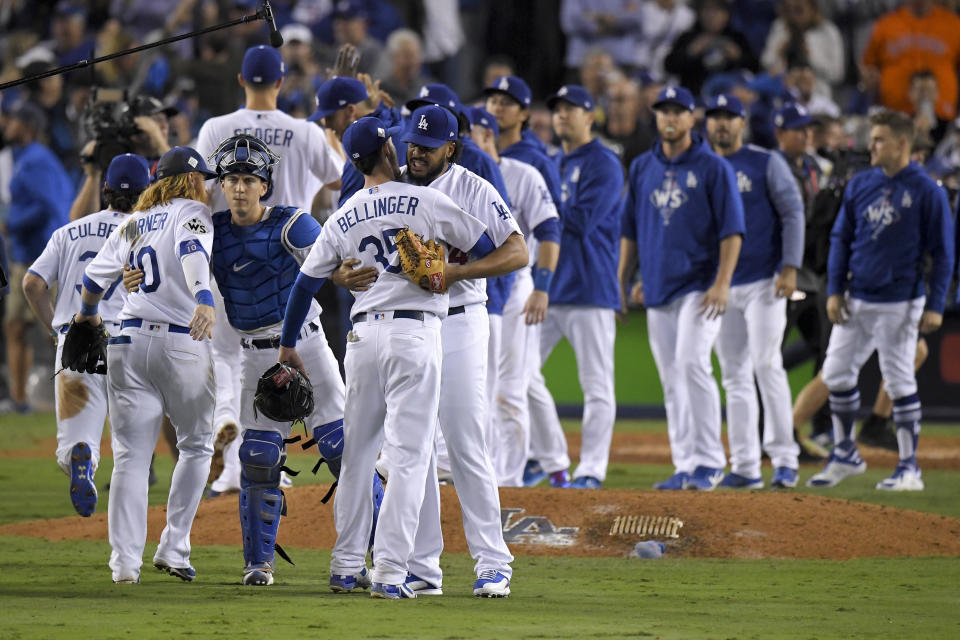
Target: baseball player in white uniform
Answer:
pixel 756 315
pixel 431 136
pixel 518 355
pixel 160 362
pixel 393 354
pixel 893 216
pixel 307 163
pixel 81 398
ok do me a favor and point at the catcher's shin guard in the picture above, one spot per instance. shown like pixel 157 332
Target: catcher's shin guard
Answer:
pixel 329 438
pixel 261 501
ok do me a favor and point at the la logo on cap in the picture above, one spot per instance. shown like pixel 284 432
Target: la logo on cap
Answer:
pixel 671 93
pixel 423 122
pixel 504 84
pixel 562 92
pixel 424 92
pixel 778 120
pixel 722 101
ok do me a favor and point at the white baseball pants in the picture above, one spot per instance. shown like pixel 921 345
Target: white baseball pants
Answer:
pixel 591 332
pixel 748 345
pixel 226 364
pixel 392 399
pixel 152 371
pixel 681 339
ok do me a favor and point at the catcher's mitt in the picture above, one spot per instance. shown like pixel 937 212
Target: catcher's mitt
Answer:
pixel 85 348
pixel 284 394
pixel 423 262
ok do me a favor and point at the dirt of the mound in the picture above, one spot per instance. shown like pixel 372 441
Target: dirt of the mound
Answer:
pixel 557 522
pixel 638 448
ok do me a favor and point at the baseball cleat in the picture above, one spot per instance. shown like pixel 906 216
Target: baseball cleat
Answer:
pixel 421 587
pixel 285 480
pixel 586 482
pixel 837 469
pixel 347 583
pixel 533 474
pixel 227 434
pixel 391 591
pixel 784 478
pixel 127 580
pixel 905 478
pixel 491 584
pixel 560 479
pixel 187 574
pixel 675 482
pixel 736 481
pixel 704 479
pixel 258 576
pixel 83 492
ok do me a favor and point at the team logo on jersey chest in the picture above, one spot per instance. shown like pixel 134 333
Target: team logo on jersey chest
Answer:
pixel 669 197
pixel 880 214
pixel 744 183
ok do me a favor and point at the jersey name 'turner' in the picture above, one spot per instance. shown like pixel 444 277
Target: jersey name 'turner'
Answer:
pixel 403 205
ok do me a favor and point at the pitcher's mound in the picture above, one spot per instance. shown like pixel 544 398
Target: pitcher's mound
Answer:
pixel 561 522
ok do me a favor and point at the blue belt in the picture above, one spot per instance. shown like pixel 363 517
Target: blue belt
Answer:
pixel 455 310
pixel 401 314
pixel 274 342
pixel 138 322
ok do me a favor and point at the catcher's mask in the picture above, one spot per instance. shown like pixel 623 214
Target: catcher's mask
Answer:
pixel 244 153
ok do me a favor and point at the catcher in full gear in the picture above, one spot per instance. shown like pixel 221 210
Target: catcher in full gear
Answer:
pixel 257 252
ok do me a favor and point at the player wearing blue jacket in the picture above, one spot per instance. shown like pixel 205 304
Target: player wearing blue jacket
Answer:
pixel 683 219
pixel 583 293
pixel 891 217
pixel 752 328
pixel 508 98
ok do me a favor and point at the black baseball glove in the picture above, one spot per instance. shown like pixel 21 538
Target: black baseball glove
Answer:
pixel 284 394
pixel 85 348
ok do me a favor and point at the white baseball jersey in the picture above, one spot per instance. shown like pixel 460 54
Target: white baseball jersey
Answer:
pixel 481 200
pixel 67 253
pixel 529 198
pixel 307 162
pixel 152 240
pixel 365 228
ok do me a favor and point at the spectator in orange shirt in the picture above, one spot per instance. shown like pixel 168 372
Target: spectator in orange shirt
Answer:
pixel 919 35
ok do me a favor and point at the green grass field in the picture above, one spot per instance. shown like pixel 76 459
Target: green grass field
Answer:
pixel 63 589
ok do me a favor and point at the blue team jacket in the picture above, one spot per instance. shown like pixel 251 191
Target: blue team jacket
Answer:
pixel 884 228
pixel 591 189
pixel 40 197
pixel 678 211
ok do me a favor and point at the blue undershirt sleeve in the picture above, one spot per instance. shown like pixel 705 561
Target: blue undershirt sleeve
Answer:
pixel 298 304
pixel 548 231
pixel 483 247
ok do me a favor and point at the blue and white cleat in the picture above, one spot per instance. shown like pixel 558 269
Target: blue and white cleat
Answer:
pixel 421 587
pixel 676 482
pixel 905 478
pixel 187 574
pixel 391 591
pixel 346 584
pixel 83 492
pixel 560 479
pixel 838 468
pixel 491 584
pixel 533 474
pixel 784 478
pixel 586 482
pixel 704 478
pixel 736 481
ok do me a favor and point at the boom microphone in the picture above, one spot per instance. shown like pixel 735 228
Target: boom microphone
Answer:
pixel 276 40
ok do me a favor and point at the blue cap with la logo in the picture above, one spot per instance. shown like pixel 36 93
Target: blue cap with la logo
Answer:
pixel 430 126
pixel 726 103
pixel 675 95
pixel 512 86
pixel 573 94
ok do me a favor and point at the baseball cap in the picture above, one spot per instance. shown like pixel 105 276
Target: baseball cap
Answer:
pixel 727 104
pixel 182 160
pixel 430 126
pixel 439 94
pixel 481 117
pixel 513 86
pixel 347 9
pixel 675 95
pixel 574 94
pixel 366 136
pixel 128 172
pixel 792 116
pixel 337 93
pixel 296 32
pixel 70 8
pixel 262 65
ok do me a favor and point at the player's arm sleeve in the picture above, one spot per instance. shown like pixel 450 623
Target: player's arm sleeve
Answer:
pixel 726 202
pixel 107 265
pixel 319 264
pixel 47 265
pixel 939 242
pixel 548 231
pixel 537 205
pixel 299 235
pixel 838 260
pixel 193 238
pixel 786 199
pixel 599 198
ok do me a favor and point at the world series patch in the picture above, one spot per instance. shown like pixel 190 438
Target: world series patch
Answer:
pixel 196 225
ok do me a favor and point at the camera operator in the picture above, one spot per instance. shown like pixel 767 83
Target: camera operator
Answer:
pixel 149 120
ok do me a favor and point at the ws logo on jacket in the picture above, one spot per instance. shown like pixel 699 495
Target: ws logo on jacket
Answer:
pixel 881 213
pixel 669 196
